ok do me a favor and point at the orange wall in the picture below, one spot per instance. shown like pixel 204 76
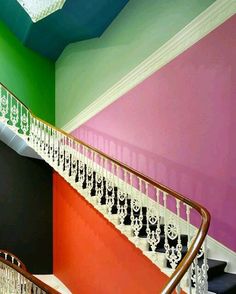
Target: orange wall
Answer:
pixel 90 255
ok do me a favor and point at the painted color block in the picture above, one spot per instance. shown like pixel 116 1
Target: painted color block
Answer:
pixel 29 76
pixel 87 69
pixel 91 255
pixel 178 127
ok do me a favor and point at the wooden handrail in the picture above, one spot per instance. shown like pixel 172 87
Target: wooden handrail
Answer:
pixel 205 215
pixel 22 265
pixel 30 277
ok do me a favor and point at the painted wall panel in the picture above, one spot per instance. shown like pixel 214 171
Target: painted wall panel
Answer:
pixel 178 127
pixel 29 76
pixel 91 255
pixel 87 69
pixel 26 209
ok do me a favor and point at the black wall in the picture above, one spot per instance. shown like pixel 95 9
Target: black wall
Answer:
pixel 26 209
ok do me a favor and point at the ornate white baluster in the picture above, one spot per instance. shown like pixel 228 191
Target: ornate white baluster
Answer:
pixel 4 105
pixel 14 112
pixel 67 156
pixel 32 134
pixel 199 270
pixel 24 120
pixel 99 190
pixel 136 210
pixel 188 230
pixel 172 232
pixel 73 167
pixel 153 219
pixel 49 154
pixel 122 199
pixel 89 170
pixel 62 153
pixel 110 199
pixel 81 176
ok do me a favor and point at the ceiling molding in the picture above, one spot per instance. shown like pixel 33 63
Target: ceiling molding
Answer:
pixel 203 24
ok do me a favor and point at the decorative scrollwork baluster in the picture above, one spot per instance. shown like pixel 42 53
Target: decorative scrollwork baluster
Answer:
pixel 4 105
pixel 89 171
pixel 153 224
pixel 99 190
pixel 110 196
pixel 173 253
pixel 81 176
pixel 24 120
pixel 199 271
pixel 14 112
pixel 136 211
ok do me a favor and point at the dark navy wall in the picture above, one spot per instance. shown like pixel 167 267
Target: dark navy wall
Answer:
pixel 26 209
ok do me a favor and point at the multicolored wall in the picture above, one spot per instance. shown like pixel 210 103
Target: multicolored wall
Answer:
pixel 87 69
pixel 28 75
pixel 178 127
pixel 90 254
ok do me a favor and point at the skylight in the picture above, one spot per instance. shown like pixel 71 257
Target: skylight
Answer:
pixel 38 9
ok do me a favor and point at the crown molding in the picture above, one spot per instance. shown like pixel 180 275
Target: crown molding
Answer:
pixel 203 24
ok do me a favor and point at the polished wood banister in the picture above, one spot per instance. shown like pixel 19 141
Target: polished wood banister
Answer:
pixel 30 277
pixel 205 216
pixel 22 265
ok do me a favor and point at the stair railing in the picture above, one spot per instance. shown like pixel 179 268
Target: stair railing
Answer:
pixel 15 279
pixel 126 197
pixel 12 258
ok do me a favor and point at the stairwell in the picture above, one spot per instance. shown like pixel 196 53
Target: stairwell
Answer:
pixel 157 220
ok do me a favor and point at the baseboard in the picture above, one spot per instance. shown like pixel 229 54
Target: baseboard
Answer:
pixel 221 252
pixel 202 25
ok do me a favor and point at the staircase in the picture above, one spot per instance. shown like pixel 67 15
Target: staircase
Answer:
pixel 156 219
pixel 15 279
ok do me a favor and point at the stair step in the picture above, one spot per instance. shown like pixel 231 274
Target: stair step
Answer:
pixel 219 282
pixel 216 268
pixel 223 284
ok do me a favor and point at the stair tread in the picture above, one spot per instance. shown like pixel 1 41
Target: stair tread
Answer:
pixel 212 263
pixel 223 284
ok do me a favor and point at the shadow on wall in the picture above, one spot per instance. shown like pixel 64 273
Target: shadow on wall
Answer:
pixel 182 179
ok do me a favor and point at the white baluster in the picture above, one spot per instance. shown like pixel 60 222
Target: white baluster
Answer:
pixel 14 112
pixel 4 102
pixel 172 232
pixel 99 189
pixel 122 199
pixel 136 209
pixel 153 219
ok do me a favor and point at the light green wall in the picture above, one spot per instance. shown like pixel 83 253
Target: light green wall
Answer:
pixel 29 76
pixel 87 69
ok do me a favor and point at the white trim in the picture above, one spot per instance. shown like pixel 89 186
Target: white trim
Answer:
pixel 221 252
pixel 54 282
pixel 203 24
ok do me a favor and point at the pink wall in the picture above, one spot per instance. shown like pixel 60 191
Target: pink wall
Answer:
pixel 179 127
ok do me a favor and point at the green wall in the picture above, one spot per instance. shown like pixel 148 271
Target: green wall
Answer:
pixel 29 76
pixel 87 69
